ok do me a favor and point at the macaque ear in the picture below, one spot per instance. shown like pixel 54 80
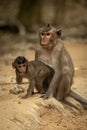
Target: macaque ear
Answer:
pixel 40 30
pixel 26 62
pixel 59 33
pixel 48 25
pixel 13 65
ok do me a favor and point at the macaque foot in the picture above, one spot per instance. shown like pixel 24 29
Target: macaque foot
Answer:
pixel 26 95
pixel 42 96
pixel 46 96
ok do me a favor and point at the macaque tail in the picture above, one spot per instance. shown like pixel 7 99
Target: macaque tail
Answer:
pixel 69 102
pixel 79 98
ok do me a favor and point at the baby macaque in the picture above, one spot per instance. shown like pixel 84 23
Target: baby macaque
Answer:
pixel 39 74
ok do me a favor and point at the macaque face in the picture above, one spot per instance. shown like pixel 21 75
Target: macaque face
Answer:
pixel 20 64
pixel 22 67
pixel 46 39
pixel 49 36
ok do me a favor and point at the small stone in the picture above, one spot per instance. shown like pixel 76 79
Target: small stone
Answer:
pixel 19 102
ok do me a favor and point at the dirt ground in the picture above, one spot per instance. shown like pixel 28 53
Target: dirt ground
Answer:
pixel 35 113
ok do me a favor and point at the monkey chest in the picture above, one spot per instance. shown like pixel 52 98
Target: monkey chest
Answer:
pixel 45 58
pixel 49 60
pixel 48 57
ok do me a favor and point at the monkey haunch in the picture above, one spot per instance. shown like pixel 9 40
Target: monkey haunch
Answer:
pixel 36 72
pixel 53 53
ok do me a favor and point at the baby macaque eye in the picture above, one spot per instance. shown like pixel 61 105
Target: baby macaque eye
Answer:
pixel 24 65
pixel 19 66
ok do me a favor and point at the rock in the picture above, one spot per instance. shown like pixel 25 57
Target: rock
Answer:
pixel 16 89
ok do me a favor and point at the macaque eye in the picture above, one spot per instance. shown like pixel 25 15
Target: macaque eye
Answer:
pixel 19 66
pixel 42 34
pixel 48 34
pixel 24 65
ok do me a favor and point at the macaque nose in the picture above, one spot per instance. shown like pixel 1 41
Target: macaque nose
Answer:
pixel 23 69
pixel 44 39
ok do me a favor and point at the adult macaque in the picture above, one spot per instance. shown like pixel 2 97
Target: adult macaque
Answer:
pixel 36 72
pixel 53 53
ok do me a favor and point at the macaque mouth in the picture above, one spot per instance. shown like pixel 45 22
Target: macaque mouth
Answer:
pixel 22 74
pixel 44 45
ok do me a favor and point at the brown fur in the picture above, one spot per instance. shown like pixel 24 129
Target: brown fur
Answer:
pixel 36 72
pixel 53 53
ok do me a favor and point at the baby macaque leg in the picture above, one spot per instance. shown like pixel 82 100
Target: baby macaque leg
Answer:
pixel 30 89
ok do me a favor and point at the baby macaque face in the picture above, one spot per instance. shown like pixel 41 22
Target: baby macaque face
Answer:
pixel 20 64
pixel 21 68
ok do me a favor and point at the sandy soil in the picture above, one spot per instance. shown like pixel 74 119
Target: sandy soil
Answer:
pixel 34 113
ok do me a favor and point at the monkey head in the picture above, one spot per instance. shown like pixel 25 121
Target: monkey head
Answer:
pixel 20 64
pixel 49 36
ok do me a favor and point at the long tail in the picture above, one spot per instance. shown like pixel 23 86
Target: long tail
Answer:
pixel 78 97
pixel 70 103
